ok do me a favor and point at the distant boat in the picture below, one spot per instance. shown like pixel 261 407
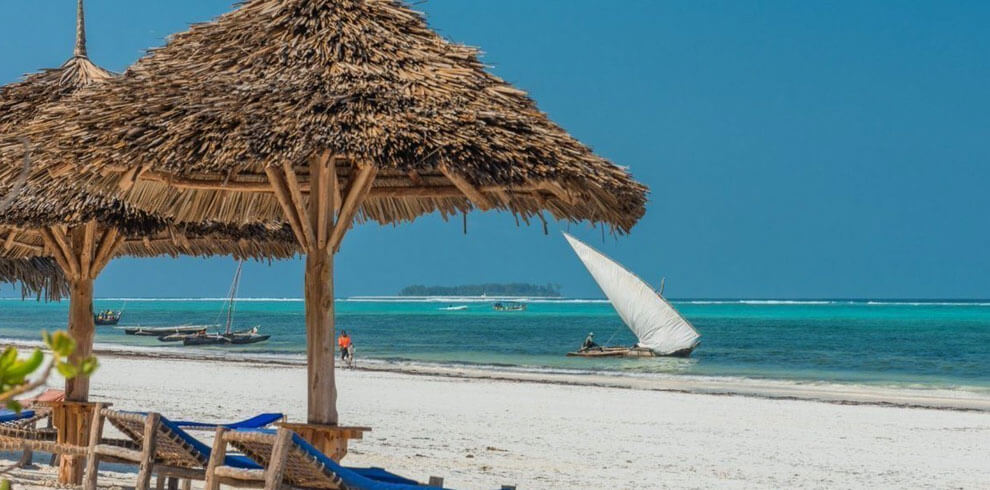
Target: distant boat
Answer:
pixel 108 317
pixel 162 331
pixel 228 337
pixel 111 318
pixel 661 330
pixel 454 308
pixel 509 306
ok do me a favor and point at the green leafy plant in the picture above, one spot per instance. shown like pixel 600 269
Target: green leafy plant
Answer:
pixel 15 370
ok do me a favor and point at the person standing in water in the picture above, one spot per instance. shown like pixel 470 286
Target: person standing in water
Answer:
pixel 345 344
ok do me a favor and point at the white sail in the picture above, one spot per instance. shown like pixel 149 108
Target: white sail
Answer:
pixel 654 321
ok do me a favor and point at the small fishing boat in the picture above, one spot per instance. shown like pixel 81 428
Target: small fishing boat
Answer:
pixel 162 331
pixel 509 306
pixel 660 329
pixel 228 337
pixel 108 317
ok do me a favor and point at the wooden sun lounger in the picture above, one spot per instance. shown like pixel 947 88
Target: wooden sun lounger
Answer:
pixel 291 462
pixel 154 444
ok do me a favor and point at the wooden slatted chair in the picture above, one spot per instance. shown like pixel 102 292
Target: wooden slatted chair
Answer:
pixel 154 443
pixel 290 461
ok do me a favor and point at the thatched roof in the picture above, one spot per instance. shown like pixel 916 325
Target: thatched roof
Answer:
pixel 27 206
pixel 277 82
pixel 38 277
pixel 20 101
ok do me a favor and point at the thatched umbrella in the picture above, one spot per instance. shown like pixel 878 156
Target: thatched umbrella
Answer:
pixel 37 276
pixel 321 113
pixel 83 231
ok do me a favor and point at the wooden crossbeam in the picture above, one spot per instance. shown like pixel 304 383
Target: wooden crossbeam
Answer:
pixel 468 189
pixel 29 246
pixel 355 196
pixel 277 181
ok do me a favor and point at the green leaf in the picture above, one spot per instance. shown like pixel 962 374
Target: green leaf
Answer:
pixel 21 369
pixel 62 344
pixel 89 365
pixel 15 406
pixel 67 370
pixel 8 357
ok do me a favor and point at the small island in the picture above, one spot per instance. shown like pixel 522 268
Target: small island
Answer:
pixel 548 290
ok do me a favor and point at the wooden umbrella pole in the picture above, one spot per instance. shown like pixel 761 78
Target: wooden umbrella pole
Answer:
pixel 322 389
pixel 81 329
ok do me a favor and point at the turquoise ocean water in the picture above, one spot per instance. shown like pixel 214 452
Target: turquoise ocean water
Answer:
pixel 922 344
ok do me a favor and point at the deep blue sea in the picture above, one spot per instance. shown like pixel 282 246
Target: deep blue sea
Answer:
pixel 924 344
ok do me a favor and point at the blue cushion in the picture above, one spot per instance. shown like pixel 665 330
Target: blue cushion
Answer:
pixel 256 422
pixel 10 415
pixel 238 461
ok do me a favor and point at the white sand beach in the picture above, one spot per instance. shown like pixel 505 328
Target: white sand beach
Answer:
pixel 482 433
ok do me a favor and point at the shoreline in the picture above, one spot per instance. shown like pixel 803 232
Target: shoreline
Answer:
pixel 769 389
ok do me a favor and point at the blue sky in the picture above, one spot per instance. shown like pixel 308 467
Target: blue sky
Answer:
pixel 793 149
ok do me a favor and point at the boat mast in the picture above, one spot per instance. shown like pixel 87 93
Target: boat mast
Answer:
pixel 233 294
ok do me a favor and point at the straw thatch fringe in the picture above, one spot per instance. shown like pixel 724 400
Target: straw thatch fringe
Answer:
pixel 277 81
pixel 38 277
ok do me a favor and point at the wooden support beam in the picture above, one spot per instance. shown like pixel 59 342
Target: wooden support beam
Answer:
pixel 338 200
pixel 92 458
pixel 468 189
pixel 318 293
pixel 9 242
pixel 147 464
pixel 86 255
pixel 280 454
pixel 297 200
pixel 355 196
pixel 60 240
pixel 56 251
pixel 217 457
pixel 111 242
pixel 277 181
pixel 326 182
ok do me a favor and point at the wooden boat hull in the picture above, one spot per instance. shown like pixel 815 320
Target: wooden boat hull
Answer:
pixel 245 339
pixel 205 340
pixel 106 321
pixel 161 331
pixel 628 352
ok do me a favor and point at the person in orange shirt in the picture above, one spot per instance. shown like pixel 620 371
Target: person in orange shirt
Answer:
pixel 344 342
